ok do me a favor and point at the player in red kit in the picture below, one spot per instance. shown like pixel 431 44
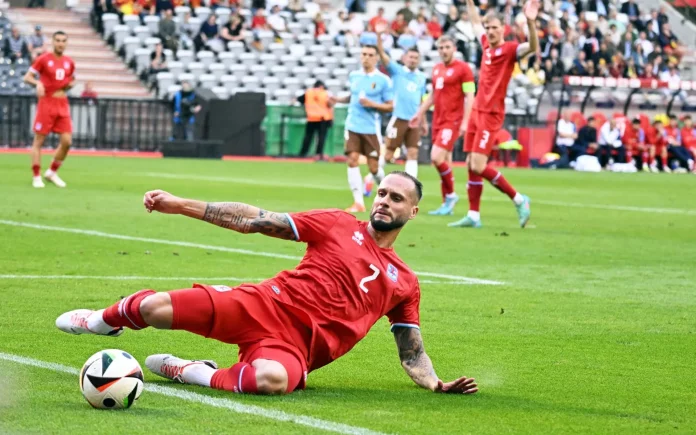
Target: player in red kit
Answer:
pixel 300 320
pixel 56 76
pixel 497 64
pixel 453 98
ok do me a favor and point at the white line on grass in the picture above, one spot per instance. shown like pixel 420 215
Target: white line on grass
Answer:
pixel 247 181
pixel 463 279
pixel 271 414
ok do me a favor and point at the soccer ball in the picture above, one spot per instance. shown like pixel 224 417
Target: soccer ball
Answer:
pixel 111 379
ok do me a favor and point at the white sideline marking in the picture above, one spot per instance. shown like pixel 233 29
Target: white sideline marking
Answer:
pixel 486 198
pixel 216 402
pixel 183 278
pixel 463 279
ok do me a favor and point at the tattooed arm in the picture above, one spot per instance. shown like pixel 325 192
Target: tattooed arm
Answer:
pixel 236 216
pixel 419 367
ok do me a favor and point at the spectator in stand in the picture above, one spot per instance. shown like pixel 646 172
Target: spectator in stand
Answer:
pixel 259 23
pixel 158 64
pixel 586 142
pixel 613 35
pixel 398 26
pixel 295 7
pixel 277 23
pixel 610 144
pixel 145 8
pixel 16 46
pixel 579 67
pixel 614 21
pixel 591 70
pixel 418 27
pixel 631 9
pixel 566 134
pixel 163 5
pixel 406 12
pixel 617 68
pixel 256 5
pixel 669 42
pixel 88 93
pixel 167 31
pixel 651 32
pixel 602 25
pixel 599 6
pixel 208 36
pixel 36 43
pixel 662 17
pixel 233 30
pixel 536 75
pixel 434 28
pixel 377 20
pixel 187 32
pixel 356 27
pixel 569 48
pixel 631 71
pixel 450 20
pixel 644 43
pixel 186 105
pixel 319 25
pixel 99 8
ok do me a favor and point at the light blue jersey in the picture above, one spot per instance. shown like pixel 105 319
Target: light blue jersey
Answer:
pixel 409 88
pixel 374 86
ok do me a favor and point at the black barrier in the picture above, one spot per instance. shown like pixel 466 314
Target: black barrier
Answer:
pixel 120 124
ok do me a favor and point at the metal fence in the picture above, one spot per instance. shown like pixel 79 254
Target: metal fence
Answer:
pixel 120 124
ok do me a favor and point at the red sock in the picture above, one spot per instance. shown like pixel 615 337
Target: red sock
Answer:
pixel 55 164
pixel 126 312
pixel 500 183
pixel 240 378
pixel 474 188
pixel 446 178
pixel 36 169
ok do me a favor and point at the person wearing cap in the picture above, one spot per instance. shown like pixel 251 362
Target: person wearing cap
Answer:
pixel 319 108
pixel 36 43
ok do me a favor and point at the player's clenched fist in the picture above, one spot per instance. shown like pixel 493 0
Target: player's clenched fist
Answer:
pixel 163 202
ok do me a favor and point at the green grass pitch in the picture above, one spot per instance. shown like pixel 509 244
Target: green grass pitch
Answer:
pixel 592 329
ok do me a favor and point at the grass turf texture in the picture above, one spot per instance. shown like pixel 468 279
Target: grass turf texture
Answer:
pixel 593 330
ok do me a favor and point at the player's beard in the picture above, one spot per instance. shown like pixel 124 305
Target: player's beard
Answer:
pixel 383 226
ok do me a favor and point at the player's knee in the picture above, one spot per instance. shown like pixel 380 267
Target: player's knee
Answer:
pixel 156 310
pixel 271 378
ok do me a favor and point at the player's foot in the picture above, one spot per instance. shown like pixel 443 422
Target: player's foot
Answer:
pixel 369 183
pixel 523 210
pixel 86 322
pixel 170 367
pixel 38 183
pixel 356 208
pixel 466 222
pixel 447 207
pixel 54 178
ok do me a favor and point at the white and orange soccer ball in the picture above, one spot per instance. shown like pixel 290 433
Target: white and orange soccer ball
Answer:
pixel 111 379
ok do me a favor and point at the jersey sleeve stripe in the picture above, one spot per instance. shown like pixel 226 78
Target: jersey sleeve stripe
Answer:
pixel 33 70
pixel 294 227
pixel 404 325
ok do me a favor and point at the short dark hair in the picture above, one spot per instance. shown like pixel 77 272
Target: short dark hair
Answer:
pixel 59 33
pixel 413 50
pixel 590 119
pixel 418 184
pixel 374 47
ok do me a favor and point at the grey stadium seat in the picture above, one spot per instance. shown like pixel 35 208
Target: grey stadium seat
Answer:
pixel 289 61
pixel 218 70
pixel 175 67
pixel 150 43
pixel 280 71
pixel 283 96
pixel 152 23
pixel 130 44
pixel 132 21
pixel 258 70
pixel 171 91
pixel 109 21
pixel 341 74
pixel 222 92
pixel 301 73
pixel 142 59
pixel 329 62
pixel 292 84
pixel 306 40
pixel 229 82
pixel 322 74
pixel 327 41
pixel 277 49
pixel 205 57
pixel 207 81
pixel 248 58
pixel 226 58
pixel 271 84
pixel 250 82
pixel 238 70
pixel 120 32
pixel 269 60
pixel 236 47
pixel 318 50
pixel 196 68
pixel 338 53
pixel 180 11
pixel 202 13
pixel 310 62
pixel 164 80
pixel 185 56
pixel 142 32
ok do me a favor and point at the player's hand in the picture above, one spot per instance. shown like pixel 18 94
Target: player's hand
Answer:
pixel 531 10
pixel 462 385
pixel 424 129
pixel 380 28
pixel 416 121
pixel 365 102
pixel 462 130
pixel 40 90
pixel 163 202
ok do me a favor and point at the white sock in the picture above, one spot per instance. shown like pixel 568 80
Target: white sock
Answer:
pixel 518 199
pixel 49 172
pixel 381 161
pixel 198 374
pixel 475 215
pixel 411 167
pixel 96 323
pixel 356 185
pixel 379 176
pixel 451 195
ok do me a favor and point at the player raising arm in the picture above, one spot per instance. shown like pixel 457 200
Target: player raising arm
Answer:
pixel 488 115
pixel 299 320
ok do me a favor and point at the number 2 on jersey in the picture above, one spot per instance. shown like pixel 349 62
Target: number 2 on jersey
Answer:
pixel 369 278
pixel 60 74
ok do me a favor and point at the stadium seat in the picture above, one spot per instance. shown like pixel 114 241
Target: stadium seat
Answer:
pixel 266 37
pixel 229 82
pixel 223 15
pixel 280 71
pixel 338 53
pixel 142 59
pixel 318 51
pixel 298 50
pixel 132 21
pixel 600 119
pixel 170 92
pixel 340 74
pixel 578 119
pixel 425 45
pixel 310 62
pixel 248 58
pixel 304 19
pixel 180 11
pixel 355 52
pixel 301 73
pixel 396 53
pixel 175 67
pixel 164 80
pixel 271 84
pixel 120 32
pixel 109 21
pixel 150 43
pixel 196 68
pixel 202 13
pixel 246 14
pixel 295 28
pixel 218 70
pixel 205 57
pixel 207 81
pixel 226 58
pixel 187 77
pixel 283 96
pixel 130 44
pixel 268 60
pixel 251 82
pixel 184 56
pixel 327 41
pixel 222 92
pixel 152 23
pixel 350 63
pixel 195 22
pixel 277 49
pixel 306 40
pixel 238 69
pixel 292 84
pixel 322 74
pixel 258 70
pixel 289 61
pixel 334 86
pixel 309 82
pixel 235 47
pixel 329 62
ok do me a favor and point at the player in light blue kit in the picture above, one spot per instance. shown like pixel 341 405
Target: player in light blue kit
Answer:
pixel 409 89
pixel 371 93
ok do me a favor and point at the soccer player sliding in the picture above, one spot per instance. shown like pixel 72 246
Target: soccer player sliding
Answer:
pixel 499 58
pixel 300 320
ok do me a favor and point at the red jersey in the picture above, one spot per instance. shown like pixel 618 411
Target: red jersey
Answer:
pixel 449 82
pixel 688 136
pixel 344 284
pixel 672 134
pixel 54 72
pixel 496 70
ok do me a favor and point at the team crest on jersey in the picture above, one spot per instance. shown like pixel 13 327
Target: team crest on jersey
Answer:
pixel 66 65
pixel 38 126
pixel 392 272
pixel 435 72
pixel 358 238
pixel 499 51
pixel 449 72
pixel 50 63
pixel 374 85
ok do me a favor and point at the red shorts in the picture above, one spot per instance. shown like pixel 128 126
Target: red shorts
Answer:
pixel 482 130
pixel 445 135
pixel 52 115
pixel 249 317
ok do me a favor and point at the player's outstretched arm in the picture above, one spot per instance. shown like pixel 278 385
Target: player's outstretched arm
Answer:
pixel 384 57
pixel 475 19
pixel 237 216
pixel 418 366
pixel 531 11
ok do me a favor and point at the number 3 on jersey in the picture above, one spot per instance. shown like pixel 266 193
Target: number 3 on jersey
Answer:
pixel 60 74
pixel 369 278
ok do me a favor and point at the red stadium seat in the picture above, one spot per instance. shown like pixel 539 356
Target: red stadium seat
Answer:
pixel 578 119
pixel 644 121
pixel 600 119
pixel 551 118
